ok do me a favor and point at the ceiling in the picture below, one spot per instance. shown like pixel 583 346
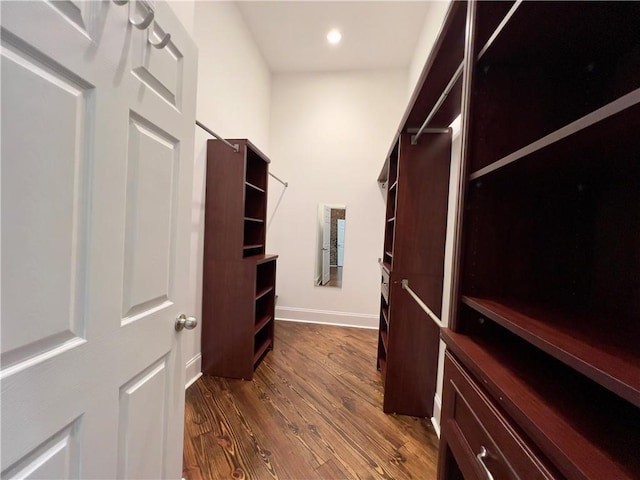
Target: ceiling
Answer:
pixel 375 34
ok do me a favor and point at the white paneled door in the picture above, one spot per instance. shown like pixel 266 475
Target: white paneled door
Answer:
pixel 97 154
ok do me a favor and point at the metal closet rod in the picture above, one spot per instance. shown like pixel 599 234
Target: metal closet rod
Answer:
pixel 233 146
pixel 286 184
pixel 427 310
pixel 436 107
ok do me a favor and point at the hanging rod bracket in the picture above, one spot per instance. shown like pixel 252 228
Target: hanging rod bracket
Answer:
pixel 414 138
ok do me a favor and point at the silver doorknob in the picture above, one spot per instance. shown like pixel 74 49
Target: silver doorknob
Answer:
pixel 186 322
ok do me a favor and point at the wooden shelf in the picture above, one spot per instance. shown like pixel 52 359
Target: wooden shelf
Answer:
pixel 585 439
pixel 256 220
pixel 393 186
pixel 386 266
pixel 558 65
pixel 252 186
pixel 264 258
pixel 263 292
pixel 392 219
pixel 252 247
pixel 583 135
pixel 491 20
pixel 385 317
pixel 383 368
pixel 262 322
pixel 261 349
pixel 535 32
pixel 389 254
pixel 580 341
pixel 385 339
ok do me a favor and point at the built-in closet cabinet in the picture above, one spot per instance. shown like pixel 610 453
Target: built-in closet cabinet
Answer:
pixel 408 345
pixel 239 279
pixel 416 175
pixel 542 371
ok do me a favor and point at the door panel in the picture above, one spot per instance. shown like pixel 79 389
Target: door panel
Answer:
pixel 95 202
pixel 58 457
pixel 142 424
pixel 48 222
pixel 150 206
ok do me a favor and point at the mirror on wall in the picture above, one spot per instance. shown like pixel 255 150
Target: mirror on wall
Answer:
pixel 330 249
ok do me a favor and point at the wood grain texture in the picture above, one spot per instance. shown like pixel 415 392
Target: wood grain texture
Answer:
pixel 312 411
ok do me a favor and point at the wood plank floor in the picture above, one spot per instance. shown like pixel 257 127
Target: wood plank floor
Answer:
pixel 312 411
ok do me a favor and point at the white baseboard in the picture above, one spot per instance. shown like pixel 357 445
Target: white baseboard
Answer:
pixel 327 317
pixel 193 370
pixel 437 409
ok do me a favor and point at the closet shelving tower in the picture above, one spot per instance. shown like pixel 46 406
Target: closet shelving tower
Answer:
pixel 542 371
pixel 416 174
pixel 239 279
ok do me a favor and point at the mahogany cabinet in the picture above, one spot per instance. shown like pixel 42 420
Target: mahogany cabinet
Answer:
pixel 542 372
pixel 414 251
pixel 416 175
pixel 239 279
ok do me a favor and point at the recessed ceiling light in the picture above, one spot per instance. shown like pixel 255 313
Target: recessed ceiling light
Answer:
pixel 334 36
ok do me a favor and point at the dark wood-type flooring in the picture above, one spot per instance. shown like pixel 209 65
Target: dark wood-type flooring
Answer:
pixel 312 411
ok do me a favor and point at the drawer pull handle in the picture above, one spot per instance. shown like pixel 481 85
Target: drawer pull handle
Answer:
pixel 480 457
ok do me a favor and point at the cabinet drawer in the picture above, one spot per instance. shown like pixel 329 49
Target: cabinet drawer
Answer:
pixel 384 287
pixel 472 424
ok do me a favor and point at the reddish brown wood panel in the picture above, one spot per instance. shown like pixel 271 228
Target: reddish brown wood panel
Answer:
pixel 228 319
pixel 413 342
pixel 421 214
pixel 224 201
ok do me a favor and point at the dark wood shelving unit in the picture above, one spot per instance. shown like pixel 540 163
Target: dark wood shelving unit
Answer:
pixel 543 366
pixel 239 279
pixel 416 173
pixel 408 340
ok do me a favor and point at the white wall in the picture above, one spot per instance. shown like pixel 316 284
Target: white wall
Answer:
pixel 233 101
pixel 432 24
pixel 454 191
pixel 330 134
pixel 327 135
pixel 185 11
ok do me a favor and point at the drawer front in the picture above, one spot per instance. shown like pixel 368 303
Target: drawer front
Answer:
pixel 472 424
pixel 384 287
